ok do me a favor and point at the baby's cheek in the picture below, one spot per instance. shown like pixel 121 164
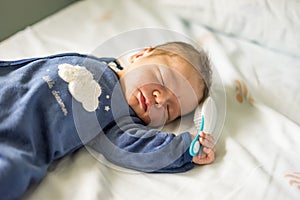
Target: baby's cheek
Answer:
pixel 132 101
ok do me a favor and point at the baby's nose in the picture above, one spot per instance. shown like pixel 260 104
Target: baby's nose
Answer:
pixel 160 98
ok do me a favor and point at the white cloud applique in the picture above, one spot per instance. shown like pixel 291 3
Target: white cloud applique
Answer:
pixel 82 86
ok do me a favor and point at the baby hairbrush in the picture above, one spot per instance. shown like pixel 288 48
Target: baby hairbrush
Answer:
pixel 205 118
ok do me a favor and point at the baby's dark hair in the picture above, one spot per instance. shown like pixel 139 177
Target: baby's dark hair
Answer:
pixel 197 58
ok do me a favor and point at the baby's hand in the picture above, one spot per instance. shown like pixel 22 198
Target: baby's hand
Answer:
pixel 207 153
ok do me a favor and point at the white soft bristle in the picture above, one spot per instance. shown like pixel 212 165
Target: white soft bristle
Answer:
pixel 209 110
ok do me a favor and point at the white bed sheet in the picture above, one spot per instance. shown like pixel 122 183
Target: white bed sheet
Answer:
pixel 258 151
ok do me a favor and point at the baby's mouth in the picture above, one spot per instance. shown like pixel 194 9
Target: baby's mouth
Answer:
pixel 142 101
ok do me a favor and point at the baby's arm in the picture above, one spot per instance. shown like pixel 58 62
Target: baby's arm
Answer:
pixel 207 153
pixel 144 149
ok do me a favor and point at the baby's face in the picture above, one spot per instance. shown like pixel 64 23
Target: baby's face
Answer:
pixel 161 88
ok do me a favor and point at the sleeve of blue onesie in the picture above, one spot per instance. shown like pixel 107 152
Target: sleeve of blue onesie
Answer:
pixel 146 150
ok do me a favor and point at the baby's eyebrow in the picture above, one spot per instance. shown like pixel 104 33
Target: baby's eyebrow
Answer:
pixel 161 76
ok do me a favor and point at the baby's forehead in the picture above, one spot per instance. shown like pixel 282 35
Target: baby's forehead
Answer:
pixel 178 63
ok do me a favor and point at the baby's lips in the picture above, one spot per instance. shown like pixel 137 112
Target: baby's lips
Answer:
pixel 142 101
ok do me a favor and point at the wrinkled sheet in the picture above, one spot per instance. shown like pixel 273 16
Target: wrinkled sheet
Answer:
pixel 258 149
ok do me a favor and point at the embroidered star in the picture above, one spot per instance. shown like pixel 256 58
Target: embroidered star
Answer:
pixel 107 96
pixel 107 108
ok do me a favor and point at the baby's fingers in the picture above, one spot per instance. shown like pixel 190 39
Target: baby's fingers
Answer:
pixel 208 150
pixel 208 137
pixel 203 158
pixel 207 140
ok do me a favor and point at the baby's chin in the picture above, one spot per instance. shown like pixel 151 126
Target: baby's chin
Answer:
pixel 147 120
pixel 154 122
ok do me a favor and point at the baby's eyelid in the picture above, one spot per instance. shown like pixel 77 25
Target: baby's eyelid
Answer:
pixel 161 78
pixel 168 111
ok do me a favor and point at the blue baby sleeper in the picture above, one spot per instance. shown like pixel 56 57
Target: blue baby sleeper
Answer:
pixel 40 121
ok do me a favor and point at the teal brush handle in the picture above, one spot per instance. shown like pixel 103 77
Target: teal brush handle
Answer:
pixel 195 146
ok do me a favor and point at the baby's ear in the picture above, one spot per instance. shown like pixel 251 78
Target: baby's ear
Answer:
pixel 140 54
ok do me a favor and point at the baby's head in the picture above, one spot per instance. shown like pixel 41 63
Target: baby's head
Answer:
pixel 165 82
